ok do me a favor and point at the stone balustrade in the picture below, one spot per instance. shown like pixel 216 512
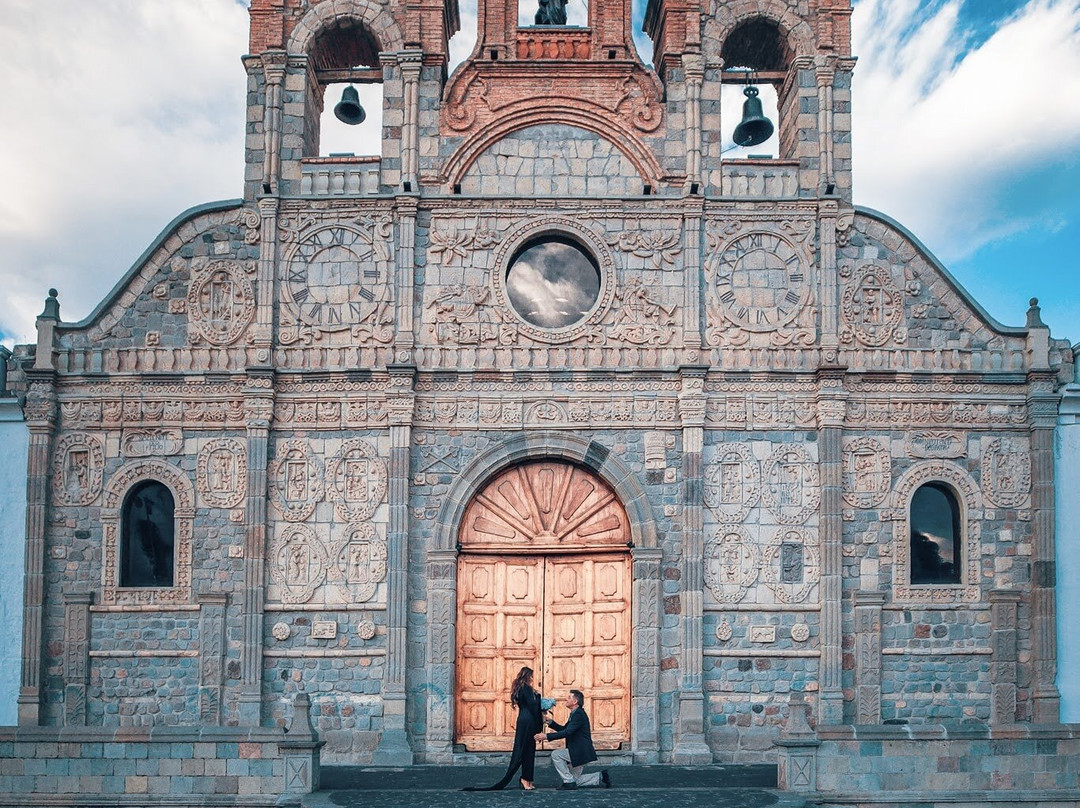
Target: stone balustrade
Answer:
pixel 760 179
pixel 340 176
pixel 556 44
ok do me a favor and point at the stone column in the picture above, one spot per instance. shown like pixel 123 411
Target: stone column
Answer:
pixel 825 69
pixel 76 656
pixel 690 745
pixel 694 68
pixel 393 749
pixel 259 408
pixel 1043 406
pixel 828 288
pixel 404 336
pixel 410 63
pixel 832 406
pixel 1004 605
pixel 40 412
pixel 647 595
pixel 1067 548
pixel 441 617
pixel 262 331
pixel 868 657
pixel 211 656
pixel 274 69
pixel 692 236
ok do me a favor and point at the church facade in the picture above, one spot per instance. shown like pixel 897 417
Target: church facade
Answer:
pixel 549 382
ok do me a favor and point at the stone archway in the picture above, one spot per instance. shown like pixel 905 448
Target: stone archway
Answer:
pixel 544 582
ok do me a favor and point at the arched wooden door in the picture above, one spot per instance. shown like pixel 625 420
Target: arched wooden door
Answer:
pixel 544 581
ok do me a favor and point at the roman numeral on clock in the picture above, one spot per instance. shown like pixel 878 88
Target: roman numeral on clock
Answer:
pixel 792 298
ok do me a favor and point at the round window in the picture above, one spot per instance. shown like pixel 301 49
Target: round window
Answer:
pixel 553 282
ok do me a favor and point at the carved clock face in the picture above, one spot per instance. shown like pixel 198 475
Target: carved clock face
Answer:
pixel 333 279
pixel 761 281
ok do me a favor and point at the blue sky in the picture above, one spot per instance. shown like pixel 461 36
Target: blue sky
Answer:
pixel 120 114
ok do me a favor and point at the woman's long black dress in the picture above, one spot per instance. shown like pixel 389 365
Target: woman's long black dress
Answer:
pixel 530 720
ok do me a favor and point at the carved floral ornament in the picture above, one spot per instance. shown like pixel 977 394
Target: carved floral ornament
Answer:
pixel 78 469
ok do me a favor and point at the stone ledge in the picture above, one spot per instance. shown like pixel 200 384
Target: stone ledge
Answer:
pixel 905 799
pixel 941 732
pixel 137 801
pixel 141 734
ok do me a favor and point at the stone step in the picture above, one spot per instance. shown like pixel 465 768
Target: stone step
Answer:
pixel 632 787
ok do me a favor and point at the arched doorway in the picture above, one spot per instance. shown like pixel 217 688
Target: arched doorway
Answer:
pixel 544 581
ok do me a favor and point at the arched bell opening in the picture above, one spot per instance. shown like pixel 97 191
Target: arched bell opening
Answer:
pixel 544 581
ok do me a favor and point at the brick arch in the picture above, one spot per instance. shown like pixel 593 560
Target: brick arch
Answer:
pixel 725 17
pixel 120 483
pixel 322 15
pixel 523 114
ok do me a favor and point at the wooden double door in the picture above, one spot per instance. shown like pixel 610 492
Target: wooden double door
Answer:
pixel 544 581
pixel 567 618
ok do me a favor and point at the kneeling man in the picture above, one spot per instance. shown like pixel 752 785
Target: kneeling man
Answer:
pixel 579 747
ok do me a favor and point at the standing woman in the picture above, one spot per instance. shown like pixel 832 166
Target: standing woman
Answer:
pixel 530 720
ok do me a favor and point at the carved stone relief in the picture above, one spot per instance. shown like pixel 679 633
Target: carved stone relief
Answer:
pixel 1006 473
pixel 297 563
pixel 358 563
pixel 791 487
pixel 356 480
pixel 453 246
pixel 152 443
pixel 872 306
pixel 296 480
pixel 867 472
pixel 78 469
pixel 791 565
pixel 658 247
pixel 464 315
pixel 731 563
pixel 732 482
pixel 220 302
pixel 927 445
pixel 221 473
pixel 639 317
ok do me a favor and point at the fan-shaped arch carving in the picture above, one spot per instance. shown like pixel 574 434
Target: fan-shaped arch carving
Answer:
pixel 328 14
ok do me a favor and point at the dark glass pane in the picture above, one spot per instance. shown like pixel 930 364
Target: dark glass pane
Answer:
pixel 146 553
pixel 791 563
pixel 553 283
pixel 935 536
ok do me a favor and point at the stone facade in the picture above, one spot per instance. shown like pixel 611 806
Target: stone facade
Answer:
pixel 14 440
pixel 325 373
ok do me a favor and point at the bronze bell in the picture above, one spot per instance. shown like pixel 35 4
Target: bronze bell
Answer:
pixel 349 110
pixel 755 128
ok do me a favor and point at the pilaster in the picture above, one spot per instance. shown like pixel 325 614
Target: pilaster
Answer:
pixel 825 71
pixel 442 604
pixel 647 595
pixel 274 70
pixel 40 411
pixel 406 275
pixel 259 410
pixel 694 68
pixel 1004 605
pixel 266 274
pixel 693 232
pixel 76 656
pixel 832 407
pixel 868 657
pixel 690 745
pixel 394 749
pixel 211 656
pixel 410 63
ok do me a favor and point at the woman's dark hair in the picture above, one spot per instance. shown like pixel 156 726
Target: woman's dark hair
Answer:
pixel 522 684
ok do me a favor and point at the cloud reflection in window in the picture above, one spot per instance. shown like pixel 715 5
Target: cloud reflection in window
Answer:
pixel 553 283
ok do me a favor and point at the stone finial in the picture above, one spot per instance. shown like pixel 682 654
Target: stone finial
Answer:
pixel 1034 315
pixel 52 307
pixel 795 725
pixel 301 728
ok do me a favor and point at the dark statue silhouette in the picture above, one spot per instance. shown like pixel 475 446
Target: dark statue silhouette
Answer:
pixel 551 12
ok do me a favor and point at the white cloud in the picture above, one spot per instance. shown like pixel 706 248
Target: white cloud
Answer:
pixel 942 135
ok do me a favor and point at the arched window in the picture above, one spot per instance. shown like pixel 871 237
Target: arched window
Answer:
pixel 147 537
pixel 935 536
pixel 757 53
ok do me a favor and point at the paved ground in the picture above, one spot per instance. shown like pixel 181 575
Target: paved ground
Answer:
pixel 632 787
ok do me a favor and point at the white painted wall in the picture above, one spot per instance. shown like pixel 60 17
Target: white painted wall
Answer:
pixel 14 443
pixel 1067 491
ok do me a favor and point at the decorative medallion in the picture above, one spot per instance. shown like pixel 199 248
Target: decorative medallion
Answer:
pixel 297 563
pixel 152 442
pixel 731 564
pixel 790 488
pixel 78 469
pixel 220 303
pixel 221 473
pixel 867 472
pixel 732 482
pixel 872 306
pixel 759 281
pixel 336 279
pixel 365 630
pixel 358 563
pixel 356 480
pixel 724 631
pixel 791 564
pixel 1006 473
pixel 800 632
pixel 281 631
pixel 296 480
pixel 932 445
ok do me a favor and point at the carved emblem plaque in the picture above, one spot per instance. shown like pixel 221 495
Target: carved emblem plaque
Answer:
pixel 791 565
pixel 220 303
pixel 1006 473
pixel 78 469
pixel 732 482
pixel 221 474
pixel 867 472
pixel 358 563
pixel 297 563
pixel 791 488
pixel 296 480
pixel 356 480
pixel 731 564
